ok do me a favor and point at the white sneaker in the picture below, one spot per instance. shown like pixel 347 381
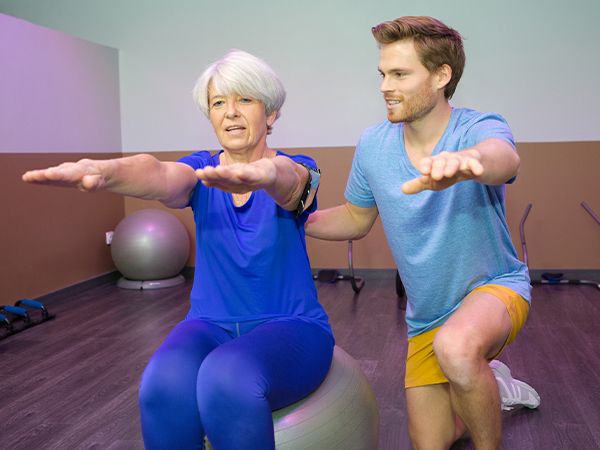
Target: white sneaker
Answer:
pixel 513 392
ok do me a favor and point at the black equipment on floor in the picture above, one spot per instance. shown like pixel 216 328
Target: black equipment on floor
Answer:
pixel 24 314
pixel 399 286
pixel 400 291
pixel 35 307
pixel 550 277
pixel 5 322
pixel 333 276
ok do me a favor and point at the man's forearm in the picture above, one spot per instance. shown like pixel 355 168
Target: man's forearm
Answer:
pixel 499 160
pixel 344 222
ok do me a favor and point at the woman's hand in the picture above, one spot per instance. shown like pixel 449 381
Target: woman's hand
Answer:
pixel 239 178
pixel 140 176
pixel 86 175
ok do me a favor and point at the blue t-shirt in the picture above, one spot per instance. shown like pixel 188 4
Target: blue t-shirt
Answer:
pixel 251 260
pixel 444 243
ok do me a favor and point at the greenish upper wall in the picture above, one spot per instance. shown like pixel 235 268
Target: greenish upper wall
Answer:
pixel 534 62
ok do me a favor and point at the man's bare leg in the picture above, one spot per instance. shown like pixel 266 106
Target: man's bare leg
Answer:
pixel 474 333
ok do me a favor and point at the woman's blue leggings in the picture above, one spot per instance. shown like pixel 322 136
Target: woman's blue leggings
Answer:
pixel 205 379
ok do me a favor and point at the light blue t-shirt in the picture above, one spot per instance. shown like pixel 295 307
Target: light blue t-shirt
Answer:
pixel 251 260
pixel 444 243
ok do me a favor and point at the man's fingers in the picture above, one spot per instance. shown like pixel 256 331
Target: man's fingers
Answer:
pixel 442 171
pixel 438 167
pixel 475 167
pixel 425 165
pixel 415 185
pixel 452 166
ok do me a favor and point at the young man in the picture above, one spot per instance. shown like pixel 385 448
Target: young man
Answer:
pixel 436 176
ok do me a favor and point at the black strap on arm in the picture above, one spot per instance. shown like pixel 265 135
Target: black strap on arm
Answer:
pixel 307 188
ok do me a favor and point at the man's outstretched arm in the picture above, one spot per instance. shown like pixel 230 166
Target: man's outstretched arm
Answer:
pixel 493 161
pixel 344 222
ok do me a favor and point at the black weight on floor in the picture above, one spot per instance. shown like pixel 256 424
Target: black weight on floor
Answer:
pixel 5 322
pixel 17 312
pixel 400 292
pixel 34 305
pixel 24 314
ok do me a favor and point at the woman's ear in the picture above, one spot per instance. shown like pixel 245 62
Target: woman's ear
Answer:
pixel 271 118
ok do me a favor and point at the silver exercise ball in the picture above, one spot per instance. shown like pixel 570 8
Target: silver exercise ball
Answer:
pixel 150 248
pixel 341 414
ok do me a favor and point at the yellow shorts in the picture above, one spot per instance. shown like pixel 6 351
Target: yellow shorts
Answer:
pixel 422 368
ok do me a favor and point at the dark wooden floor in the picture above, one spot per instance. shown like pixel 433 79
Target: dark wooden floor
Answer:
pixel 71 383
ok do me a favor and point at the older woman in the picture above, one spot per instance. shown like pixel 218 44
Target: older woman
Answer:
pixel 255 338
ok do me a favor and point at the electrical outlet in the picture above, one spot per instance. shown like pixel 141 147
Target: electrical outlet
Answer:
pixel 108 237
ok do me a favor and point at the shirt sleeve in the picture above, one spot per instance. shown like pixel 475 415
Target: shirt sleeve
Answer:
pixel 358 192
pixel 488 126
pixel 196 160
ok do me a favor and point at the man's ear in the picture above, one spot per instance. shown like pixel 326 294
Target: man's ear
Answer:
pixel 443 76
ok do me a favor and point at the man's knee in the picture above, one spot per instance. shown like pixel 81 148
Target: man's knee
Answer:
pixel 459 353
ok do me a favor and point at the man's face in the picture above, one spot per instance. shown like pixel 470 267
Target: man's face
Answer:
pixel 407 86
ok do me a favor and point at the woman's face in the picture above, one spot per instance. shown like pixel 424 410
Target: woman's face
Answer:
pixel 240 122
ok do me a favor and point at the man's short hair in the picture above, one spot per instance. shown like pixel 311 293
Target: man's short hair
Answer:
pixel 435 43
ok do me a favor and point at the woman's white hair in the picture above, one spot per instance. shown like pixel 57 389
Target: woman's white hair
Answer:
pixel 241 73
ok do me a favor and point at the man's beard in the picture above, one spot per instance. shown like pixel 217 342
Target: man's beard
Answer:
pixel 415 107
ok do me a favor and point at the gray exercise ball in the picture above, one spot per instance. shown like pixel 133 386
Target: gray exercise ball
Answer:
pixel 342 414
pixel 150 244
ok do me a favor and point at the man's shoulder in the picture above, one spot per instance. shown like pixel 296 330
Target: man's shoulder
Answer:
pixel 466 117
pixel 380 130
pixel 470 127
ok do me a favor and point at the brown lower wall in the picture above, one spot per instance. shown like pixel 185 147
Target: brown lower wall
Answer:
pixel 52 238
pixel 555 178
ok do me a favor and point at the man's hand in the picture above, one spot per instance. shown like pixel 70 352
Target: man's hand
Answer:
pixel 239 178
pixel 85 175
pixel 444 170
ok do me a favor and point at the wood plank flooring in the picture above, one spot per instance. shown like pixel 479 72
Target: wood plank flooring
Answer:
pixel 71 383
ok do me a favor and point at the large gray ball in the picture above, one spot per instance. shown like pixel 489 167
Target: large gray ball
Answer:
pixel 342 414
pixel 150 244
